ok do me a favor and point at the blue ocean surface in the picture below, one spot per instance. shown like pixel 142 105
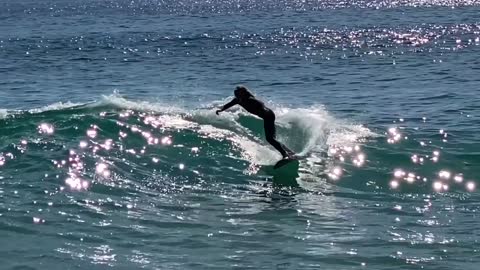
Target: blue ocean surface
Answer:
pixel 112 156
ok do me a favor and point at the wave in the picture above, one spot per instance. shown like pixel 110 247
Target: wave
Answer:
pixel 304 129
pixel 147 141
pixel 137 138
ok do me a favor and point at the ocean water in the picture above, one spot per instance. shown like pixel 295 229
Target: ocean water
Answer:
pixel 111 155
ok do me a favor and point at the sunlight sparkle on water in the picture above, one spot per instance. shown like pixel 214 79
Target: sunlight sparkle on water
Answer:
pixel 394 184
pixel 458 178
pixel 38 220
pixel 437 186
pixel 102 169
pixel 134 129
pixel 444 174
pixel 470 186
pixel 107 145
pixel 46 128
pixel 359 160
pixel 394 135
pixel 92 133
pixel 166 140
pixel 335 173
pixel 83 144
pixel 410 177
pixel 146 134
pixel 399 173
pixel 76 183
pixel 125 114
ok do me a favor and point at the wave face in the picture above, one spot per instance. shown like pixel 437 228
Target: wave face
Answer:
pixel 126 139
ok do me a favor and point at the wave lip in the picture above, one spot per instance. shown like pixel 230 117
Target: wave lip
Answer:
pixel 118 101
pixel 57 106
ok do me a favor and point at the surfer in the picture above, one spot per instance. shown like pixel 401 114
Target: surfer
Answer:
pixel 247 100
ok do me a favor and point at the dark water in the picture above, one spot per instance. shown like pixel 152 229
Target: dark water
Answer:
pixel 111 155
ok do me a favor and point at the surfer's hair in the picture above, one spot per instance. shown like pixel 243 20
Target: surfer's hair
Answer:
pixel 242 92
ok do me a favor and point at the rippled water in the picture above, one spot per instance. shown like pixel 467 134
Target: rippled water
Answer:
pixel 111 155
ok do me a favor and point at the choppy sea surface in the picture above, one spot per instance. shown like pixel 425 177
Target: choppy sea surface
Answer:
pixel 112 157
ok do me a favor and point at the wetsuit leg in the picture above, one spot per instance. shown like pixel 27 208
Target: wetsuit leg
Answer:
pixel 269 125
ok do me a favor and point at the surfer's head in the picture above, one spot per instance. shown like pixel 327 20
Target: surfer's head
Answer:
pixel 241 92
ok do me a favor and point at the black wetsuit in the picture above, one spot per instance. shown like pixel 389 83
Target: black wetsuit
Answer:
pixel 256 107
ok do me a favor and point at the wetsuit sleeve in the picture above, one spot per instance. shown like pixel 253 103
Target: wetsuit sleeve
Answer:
pixel 230 104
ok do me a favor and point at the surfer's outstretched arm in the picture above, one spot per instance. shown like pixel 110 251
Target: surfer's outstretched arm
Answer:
pixel 228 105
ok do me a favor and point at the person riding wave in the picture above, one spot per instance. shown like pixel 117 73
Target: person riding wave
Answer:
pixel 247 100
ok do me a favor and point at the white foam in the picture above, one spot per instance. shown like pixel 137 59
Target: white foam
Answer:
pixel 309 131
pixel 320 129
pixel 55 107
pixel 3 113
pixel 250 150
pixel 121 102
pixel 206 122
pixel 312 125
